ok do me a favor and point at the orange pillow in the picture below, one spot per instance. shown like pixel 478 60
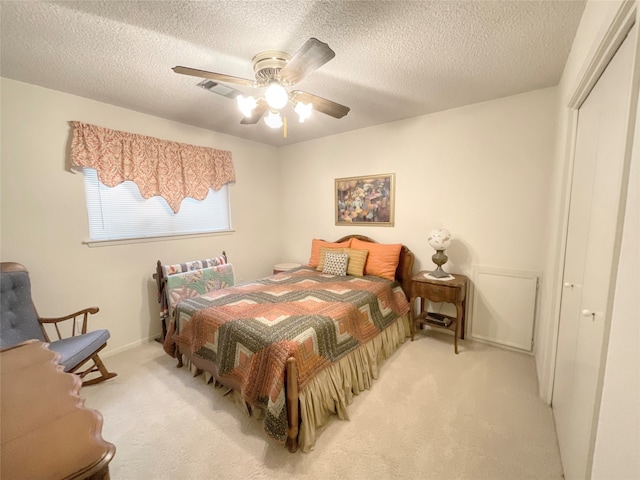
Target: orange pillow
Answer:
pixel 314 261
pixel 382 260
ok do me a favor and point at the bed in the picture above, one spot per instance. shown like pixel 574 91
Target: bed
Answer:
pixel 298 345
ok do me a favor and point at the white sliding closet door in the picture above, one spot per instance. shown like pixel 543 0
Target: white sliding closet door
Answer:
pixel 589 259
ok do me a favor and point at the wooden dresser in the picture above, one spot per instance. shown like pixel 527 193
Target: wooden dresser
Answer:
pixel 47 433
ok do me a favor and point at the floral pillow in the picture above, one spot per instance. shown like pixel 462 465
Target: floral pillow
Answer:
pixel 336 263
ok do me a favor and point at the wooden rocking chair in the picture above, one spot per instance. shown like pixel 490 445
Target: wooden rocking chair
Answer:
pixel 20 322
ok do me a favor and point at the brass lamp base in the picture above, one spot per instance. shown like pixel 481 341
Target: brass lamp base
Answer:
pixel 439 273
pixel 439 258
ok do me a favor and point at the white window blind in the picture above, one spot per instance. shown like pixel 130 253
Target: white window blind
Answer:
pixel 121 213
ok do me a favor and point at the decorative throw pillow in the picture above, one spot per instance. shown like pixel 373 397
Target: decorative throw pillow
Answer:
pixel 357 260
pixel 315 249
pixel 323 253
pixel 383 258
pixel 336 263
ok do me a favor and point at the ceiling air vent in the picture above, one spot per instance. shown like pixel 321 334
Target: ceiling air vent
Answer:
pixel 218 88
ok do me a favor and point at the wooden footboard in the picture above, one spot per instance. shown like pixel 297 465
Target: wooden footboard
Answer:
pixel 302 436
pixel 163 300
pixel 290 386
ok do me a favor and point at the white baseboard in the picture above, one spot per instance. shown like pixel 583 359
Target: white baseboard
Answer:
pixel 124 348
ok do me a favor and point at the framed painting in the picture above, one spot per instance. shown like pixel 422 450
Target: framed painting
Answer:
pixel 367 200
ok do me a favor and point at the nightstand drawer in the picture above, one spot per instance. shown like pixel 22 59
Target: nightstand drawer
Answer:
pixel 443 294
pixel 435 293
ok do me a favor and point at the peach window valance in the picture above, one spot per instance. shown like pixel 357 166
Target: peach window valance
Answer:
pixel 163 168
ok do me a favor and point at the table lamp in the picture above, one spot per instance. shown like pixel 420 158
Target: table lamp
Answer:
pixel 439 239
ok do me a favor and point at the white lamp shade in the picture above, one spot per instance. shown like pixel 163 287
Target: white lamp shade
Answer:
pixel 273 119
pixel 439 239
pixel 276 96
pixel 303 110
pixel 246 105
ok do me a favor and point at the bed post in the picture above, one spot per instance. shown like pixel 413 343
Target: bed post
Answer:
pixel 179 357
pixel 405 270
pixel 160 283
pixel 293 414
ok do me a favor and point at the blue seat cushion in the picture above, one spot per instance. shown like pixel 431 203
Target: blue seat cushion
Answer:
pixel 76 349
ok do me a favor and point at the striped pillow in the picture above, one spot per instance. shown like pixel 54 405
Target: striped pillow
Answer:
pixel 357 261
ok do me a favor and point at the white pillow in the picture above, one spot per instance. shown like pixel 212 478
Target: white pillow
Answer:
pixel 336 263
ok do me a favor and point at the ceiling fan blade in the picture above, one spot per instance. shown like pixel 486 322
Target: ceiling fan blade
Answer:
pixel 257 114
pixel 311 56
pixel 219 77
pixel 320 104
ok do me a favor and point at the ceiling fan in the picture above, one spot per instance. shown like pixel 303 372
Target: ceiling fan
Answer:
pixel 275 71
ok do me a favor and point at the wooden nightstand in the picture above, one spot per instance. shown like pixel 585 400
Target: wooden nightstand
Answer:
pixel 449 291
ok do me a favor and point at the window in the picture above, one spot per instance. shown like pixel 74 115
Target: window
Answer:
pixel 120 212
pixel 138 186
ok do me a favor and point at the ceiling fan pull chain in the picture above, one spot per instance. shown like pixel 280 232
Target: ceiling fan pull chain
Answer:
pixel 285 127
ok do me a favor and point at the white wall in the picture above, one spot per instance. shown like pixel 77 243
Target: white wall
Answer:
pixel 481 171
pixel 44 220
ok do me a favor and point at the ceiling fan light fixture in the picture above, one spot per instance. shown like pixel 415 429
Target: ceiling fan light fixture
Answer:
pixel 273 119
pixel 246 105
pixel 276 96
pixel 275 72
pixel 303 110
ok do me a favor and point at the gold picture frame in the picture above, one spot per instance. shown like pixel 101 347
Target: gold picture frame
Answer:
pixel 368 200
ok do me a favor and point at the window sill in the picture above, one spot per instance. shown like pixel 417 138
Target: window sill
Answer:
pixel 127 241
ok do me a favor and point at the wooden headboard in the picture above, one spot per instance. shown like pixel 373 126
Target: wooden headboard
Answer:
pixel 404 272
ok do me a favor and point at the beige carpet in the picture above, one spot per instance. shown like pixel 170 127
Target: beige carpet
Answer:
pixel 430 415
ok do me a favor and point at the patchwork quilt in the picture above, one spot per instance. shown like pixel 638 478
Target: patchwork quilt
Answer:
pixel 248 331
pixel 186 279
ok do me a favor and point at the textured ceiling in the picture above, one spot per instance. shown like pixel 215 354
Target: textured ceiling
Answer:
pixel 394 59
